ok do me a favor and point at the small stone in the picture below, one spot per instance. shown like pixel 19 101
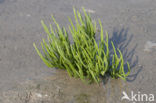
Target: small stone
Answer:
pixel 89 11
pixel 39 95
pixel 46 95
pixel 28 15
pixel 139 65
pixel 149 46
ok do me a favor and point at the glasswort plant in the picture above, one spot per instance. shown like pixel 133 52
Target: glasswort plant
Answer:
pixel 85 58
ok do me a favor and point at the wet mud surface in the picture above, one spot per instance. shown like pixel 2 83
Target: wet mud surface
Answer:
pixel 62 89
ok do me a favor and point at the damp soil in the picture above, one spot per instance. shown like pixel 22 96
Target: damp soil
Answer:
pixel 60 88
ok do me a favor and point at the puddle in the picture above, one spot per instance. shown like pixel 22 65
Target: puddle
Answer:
pixel 63 89
pixel 149 46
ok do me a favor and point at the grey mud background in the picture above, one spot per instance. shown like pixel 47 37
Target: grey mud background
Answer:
pixel 24 78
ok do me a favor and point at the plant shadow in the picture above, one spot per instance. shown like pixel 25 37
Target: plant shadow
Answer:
pixel 121 40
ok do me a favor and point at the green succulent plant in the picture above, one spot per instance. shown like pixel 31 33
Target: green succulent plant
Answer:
pixel 85 57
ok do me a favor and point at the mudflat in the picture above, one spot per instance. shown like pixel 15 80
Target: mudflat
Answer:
pixel 24 78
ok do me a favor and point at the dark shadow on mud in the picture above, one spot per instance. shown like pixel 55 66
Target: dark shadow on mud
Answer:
pixel 121 40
